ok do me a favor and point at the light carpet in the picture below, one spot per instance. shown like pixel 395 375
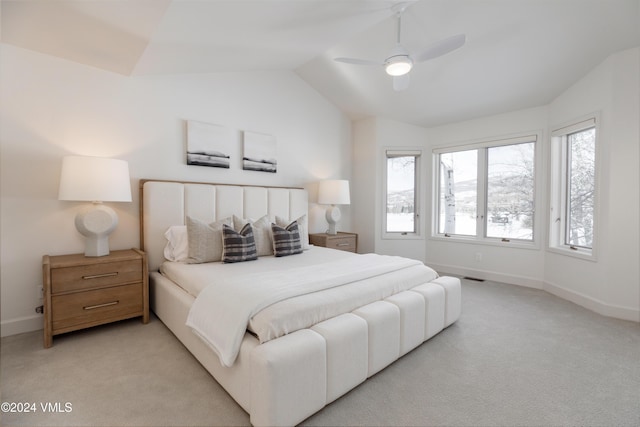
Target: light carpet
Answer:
pixel 516 357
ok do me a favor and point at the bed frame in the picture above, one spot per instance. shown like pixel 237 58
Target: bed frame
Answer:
pixel 284 381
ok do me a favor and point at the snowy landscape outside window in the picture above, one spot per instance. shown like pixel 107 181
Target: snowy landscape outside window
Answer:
pixel 486 190
pixel 510 188
pixel 573 189
pixel 581 187
pixel 401 182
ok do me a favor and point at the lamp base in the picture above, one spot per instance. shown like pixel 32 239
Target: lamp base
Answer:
pixel 96 223
pixel 333 216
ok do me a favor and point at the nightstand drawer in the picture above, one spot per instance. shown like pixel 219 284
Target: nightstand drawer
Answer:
pixel 84 277
pixel 342 243
pixel 96 307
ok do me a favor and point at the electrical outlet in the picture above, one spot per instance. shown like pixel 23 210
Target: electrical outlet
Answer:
pixel 39 291
pixel 478 256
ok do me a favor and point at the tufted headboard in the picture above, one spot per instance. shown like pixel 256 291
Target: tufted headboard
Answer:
pixel 167 203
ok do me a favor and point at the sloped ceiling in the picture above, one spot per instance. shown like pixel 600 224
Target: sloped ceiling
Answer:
pixel 519 53
pixel 111 35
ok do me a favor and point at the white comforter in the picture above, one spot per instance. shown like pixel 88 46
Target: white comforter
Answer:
pixel 222 311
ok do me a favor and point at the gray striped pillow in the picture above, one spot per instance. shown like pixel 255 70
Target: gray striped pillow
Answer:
pixel 238 246
pixel 286 241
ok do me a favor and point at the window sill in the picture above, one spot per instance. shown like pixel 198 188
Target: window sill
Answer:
pixel 584 254
pixel 400 236
pixel 513 244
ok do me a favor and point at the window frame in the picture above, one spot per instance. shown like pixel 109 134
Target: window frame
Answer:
pixel 417 234
pixel 559 188
pixel 482 187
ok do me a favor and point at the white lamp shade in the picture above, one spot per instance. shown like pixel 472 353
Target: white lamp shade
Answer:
pixel 334 192
pixel 94 179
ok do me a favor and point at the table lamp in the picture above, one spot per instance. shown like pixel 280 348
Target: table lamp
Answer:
pixel 96 180
pixel 333 192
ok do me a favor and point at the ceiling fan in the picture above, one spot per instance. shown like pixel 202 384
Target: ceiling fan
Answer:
pixel 399 61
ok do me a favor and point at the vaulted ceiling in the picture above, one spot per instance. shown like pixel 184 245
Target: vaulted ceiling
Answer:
pixel 518 53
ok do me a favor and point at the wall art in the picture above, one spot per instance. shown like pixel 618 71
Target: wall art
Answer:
pixel 259 152
pixel 208 144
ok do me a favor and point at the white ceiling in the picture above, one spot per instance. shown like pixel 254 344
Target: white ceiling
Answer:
pixel 519 53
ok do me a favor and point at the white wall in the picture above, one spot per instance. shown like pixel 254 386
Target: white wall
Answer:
pixel 364 194
pixel 611 285
pixel 52 107
pixel 370 139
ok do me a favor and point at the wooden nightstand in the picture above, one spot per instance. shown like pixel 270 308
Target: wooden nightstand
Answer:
pixel 342 241
pixel 80 292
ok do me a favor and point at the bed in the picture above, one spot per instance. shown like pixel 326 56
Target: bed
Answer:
pixel 287 354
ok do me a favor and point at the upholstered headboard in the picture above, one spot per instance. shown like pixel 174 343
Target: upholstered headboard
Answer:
pixel 167 203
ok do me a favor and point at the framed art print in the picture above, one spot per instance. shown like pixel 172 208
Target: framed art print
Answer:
pixel 208 144
pixel 259 152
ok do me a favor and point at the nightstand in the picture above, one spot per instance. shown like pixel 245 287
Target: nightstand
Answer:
pixel 342 241
pixel 81 292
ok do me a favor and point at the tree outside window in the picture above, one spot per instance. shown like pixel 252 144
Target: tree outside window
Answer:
pixel 510 191
pixel 487 190
pixel 458 193
pixel 581 188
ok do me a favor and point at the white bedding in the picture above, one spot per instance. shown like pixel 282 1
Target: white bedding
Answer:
pixel 193 278
pixel 294 297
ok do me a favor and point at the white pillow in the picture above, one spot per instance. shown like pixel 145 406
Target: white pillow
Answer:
pixel 205 240
pixel 261 233
pixel 177 247
pixel 303 228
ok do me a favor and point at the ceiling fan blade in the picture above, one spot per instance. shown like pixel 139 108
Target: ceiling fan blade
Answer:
pixel 357 61
pixel 442 47
pixel 401 83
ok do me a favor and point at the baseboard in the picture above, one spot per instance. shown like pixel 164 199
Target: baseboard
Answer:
pixel 21 325
pixel 511 279
pixel 593 304
pixel 600 307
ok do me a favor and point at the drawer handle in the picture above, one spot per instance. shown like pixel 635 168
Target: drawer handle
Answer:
pixel 106 304
pixel 98 276
pixel 343 244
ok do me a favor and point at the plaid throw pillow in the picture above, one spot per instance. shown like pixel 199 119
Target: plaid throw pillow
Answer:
pixel 286 241
pixel 238 246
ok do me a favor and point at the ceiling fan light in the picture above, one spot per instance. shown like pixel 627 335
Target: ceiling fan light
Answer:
pixel 398 66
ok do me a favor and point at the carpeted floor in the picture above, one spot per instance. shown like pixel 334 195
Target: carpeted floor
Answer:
pixel 516 357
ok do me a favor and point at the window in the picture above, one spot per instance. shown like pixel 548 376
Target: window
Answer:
pixel 573 187
pixel 401 182
pixel 458 199
pixel 510 191
pixel 486 191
